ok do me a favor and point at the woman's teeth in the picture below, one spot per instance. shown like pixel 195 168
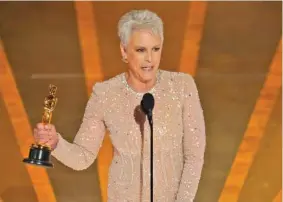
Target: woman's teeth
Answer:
pixel 147 68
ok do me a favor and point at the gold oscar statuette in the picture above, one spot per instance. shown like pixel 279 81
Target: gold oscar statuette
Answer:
pixel 39 154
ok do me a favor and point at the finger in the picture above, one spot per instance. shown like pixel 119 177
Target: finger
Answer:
pixel 41 134
pixel 35 133
pixel 43 140
pixel 49 142
pixel 40 126
pixel 49 135
pixel 46 127
pixel 49 127
pixel 52 127
pixel 42 131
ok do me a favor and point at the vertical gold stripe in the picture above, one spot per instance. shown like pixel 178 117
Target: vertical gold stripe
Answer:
pixel 192 38
pixel 278 197
pixel 93 73
pixel 88 43
pixel 255 130
pixel 22 128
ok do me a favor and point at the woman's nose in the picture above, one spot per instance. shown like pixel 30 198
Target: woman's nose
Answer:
pixel 148 57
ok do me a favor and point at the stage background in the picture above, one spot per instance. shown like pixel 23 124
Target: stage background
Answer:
pixel 233 50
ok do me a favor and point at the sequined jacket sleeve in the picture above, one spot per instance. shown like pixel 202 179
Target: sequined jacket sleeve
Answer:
pixel 82 152
pixel 193 141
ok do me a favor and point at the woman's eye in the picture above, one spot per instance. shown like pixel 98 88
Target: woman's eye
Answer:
pixel 156 49
pixel 140 50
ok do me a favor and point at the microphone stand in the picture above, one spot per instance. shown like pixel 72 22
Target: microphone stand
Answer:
pixel 147 104
pixel 149 116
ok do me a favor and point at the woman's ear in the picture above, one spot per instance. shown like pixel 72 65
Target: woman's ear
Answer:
pixel 123 49
pixel 124 53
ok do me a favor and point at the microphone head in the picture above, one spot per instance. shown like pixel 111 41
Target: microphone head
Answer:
pixel 147 103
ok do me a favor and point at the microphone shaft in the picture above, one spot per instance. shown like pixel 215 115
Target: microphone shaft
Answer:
pixel 151 159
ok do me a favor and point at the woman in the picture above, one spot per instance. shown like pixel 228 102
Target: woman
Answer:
pixel 179 131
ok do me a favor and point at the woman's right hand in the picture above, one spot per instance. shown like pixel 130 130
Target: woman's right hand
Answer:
pixel 45 134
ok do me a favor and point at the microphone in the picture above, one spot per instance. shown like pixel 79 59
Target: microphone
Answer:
pixel 147 105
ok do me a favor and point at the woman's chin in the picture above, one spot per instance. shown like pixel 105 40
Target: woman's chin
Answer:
pixel 148 76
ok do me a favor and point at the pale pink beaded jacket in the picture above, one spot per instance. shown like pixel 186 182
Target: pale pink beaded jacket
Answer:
pixel 179 139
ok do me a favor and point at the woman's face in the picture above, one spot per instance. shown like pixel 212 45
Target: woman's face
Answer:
pixel 143 53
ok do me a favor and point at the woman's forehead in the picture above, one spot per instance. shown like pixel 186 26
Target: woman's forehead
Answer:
pixel 144 37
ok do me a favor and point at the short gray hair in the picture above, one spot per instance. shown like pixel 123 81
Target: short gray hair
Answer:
pixel 139 19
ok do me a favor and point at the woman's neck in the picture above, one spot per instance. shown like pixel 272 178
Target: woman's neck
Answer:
pixel 138 86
